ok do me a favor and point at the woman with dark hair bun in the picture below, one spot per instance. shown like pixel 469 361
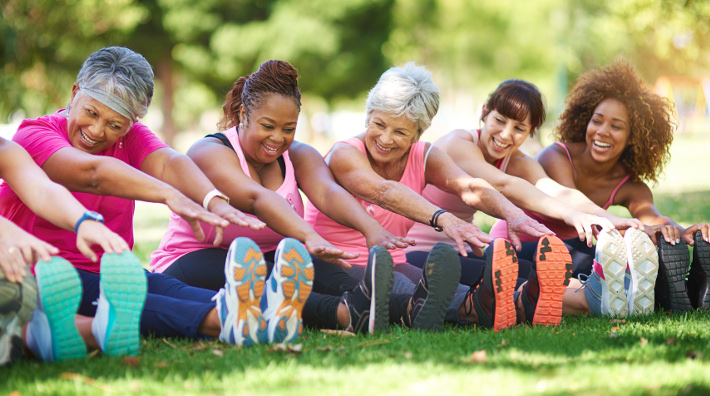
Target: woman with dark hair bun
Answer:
pixel 257 163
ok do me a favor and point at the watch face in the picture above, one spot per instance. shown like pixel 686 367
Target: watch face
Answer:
pixel 95 216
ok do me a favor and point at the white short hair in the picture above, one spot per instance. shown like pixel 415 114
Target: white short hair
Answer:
pixel 407 90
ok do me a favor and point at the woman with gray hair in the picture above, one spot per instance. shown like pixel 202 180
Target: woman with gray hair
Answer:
pixel 386 169
pixel 99 151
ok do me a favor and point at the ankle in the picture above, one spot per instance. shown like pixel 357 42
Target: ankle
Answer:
pixel 343 315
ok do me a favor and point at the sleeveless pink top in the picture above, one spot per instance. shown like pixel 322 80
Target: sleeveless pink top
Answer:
pixel 425 235
pixel 559 227
pixel 180 240
pixel 352 240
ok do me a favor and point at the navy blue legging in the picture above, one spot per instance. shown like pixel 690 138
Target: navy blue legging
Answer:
pixel 171 308
pixel 582 255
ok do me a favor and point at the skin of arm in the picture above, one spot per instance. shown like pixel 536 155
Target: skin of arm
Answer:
pixel 352 170
pixel 221 165
pixel 52 202
pixel 317 182
pixel 18 249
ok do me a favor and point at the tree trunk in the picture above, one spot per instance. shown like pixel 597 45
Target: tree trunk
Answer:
pixel 165 75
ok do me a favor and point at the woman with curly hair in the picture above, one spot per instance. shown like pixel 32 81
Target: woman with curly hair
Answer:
pixel 615 134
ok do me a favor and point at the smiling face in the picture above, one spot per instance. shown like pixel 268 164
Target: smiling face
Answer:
pixel 270 128
pixel 389 138
pixel 92 126
pixel 608 130
pixel 501 135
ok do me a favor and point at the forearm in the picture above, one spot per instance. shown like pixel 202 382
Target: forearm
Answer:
pixel 55 204
pixel 528 197
pixel 400 199
pixel 481 196
pixel 185 176
pixel 278 215
pixel 342 207
pixel 574 198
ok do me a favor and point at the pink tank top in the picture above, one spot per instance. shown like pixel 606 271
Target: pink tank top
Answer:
pixel 180 240
pixel 559 227
pixel 425 235
pixel 353 241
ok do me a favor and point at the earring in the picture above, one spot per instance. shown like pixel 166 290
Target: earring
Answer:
pixel 120 144
pixel 241 125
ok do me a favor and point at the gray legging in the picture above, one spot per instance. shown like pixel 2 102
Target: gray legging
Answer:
pixel 406 279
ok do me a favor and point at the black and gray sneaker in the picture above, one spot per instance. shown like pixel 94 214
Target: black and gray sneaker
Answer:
pixel 440 277
pixel 368 303
pixel 673 261
pixel 17 301
pixel 699 274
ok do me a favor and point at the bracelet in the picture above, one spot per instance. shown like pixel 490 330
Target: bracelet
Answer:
pixel 213 194
pixel 435 218
pixel 88 215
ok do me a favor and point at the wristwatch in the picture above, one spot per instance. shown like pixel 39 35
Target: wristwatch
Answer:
pixel 88 215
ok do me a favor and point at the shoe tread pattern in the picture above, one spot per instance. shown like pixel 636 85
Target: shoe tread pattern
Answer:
pixel 247 274
pixel 504 272
pixel 674 262
pixel 554 271
pixel 443 271
pixel 611 255
pixel 643 263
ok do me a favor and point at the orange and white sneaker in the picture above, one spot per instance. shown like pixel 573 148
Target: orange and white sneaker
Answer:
pixel 287 289
pixel 492 296
pixel 238 302
pixel 542 294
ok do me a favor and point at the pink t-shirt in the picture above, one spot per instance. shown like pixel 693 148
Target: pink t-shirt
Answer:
pixel 43 137
pixel 353 241
pixel 425 235
pixel 180 240
pixel 559 227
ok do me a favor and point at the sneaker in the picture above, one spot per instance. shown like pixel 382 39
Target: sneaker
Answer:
pixel 17 301
pixel 699 274
pixel 238 302
pixel 673 263
pixel 431 298
pixel 543 292
pixel 368 303
pixel 287 289
pixel 51 333
pixel 123 288
pixel 492 295
pixel 610 254
pixel 643 264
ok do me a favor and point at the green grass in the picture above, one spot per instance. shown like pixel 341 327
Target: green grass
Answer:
pixel 655 355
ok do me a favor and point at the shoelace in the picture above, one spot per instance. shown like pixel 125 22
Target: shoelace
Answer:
pixel 583 282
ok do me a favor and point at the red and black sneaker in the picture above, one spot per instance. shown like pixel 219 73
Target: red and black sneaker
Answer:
pixel 543 292
pixel 492 296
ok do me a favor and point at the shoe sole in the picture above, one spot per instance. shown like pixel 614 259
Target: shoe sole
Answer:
pixel 248 276
pixel 613 261
pixel 504 272
pixel 124 285
pixel 292 281
pixel 676 263
pixel 702 250
pixel 382 281
pixel 443 271
pixel 554 271
pixel 643 263
pixel 60 290
pixel 17 301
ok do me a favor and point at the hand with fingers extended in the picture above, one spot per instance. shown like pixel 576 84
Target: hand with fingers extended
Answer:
pixel 382 237
pixel 584 224
pixel 226 211
pixel 18 250
pixel 463 232
pixel 689 233
pixel 670 233
pixel 94 233
pixel 622 223
pixel 318 246
pixel 520 223
pixel 194 214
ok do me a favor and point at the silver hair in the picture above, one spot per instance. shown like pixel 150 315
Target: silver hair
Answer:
pixel 123 79
pixel 407 90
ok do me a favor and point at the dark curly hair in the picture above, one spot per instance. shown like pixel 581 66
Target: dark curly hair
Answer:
pixel 650 116
pixel 273 76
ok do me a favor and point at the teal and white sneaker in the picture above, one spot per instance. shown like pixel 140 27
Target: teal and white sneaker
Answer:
pixel 238 302
pixel 116 325
pixel 52 334
pixel 611 255
pixel 17 301
pixel 287 289
pixel 643 263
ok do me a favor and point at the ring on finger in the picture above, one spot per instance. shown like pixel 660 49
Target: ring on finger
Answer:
pixel 12 250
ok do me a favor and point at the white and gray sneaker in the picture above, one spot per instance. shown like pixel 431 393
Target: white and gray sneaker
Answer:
pixel 643 263
pixel 611 255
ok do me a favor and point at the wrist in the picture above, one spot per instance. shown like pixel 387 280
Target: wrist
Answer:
pixel 434 221
pixel 211 196
pixel 88 215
